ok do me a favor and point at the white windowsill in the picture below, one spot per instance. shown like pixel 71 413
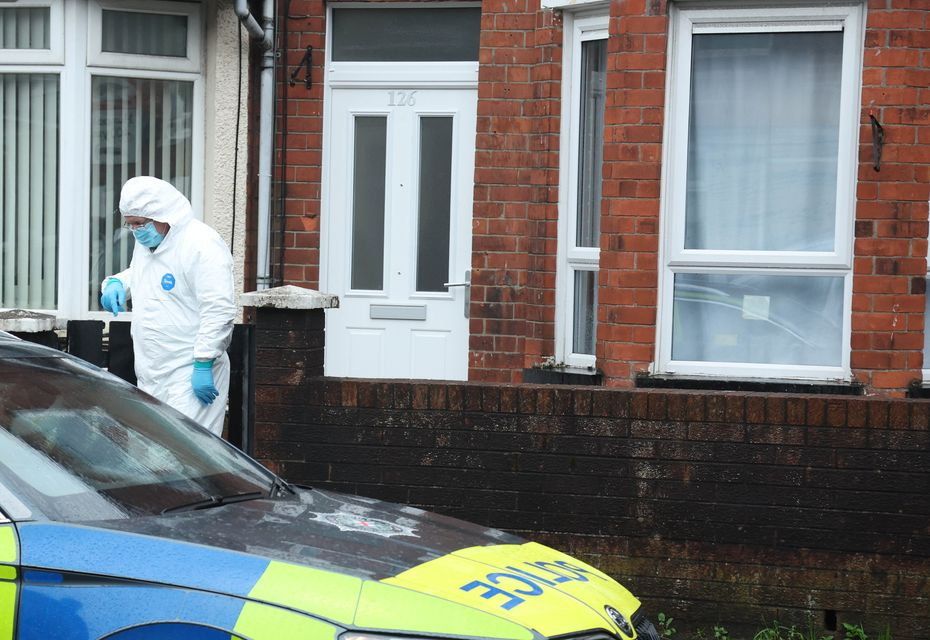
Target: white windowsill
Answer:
pixel 573 4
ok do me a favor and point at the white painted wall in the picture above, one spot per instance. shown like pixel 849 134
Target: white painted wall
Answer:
pixel 221 77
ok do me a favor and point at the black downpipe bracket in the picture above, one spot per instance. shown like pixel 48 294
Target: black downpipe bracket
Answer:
pixel 305 65
pixel 878 142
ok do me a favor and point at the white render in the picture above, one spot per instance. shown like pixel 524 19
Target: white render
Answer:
pixel 221 80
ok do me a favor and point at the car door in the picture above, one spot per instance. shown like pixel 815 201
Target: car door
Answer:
pixel 9 577
pixel 79 582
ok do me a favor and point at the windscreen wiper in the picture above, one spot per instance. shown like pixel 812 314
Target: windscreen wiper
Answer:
pixel 279 487
pixel 215 501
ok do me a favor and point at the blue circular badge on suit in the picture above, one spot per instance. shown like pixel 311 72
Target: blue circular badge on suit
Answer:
pixel 167 282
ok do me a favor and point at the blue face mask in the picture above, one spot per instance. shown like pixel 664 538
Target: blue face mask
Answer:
pixel 148 236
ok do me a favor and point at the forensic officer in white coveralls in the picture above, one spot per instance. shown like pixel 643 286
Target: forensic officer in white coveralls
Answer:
pixel 180 281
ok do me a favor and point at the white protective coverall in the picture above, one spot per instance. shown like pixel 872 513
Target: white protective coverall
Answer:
pixel 183 301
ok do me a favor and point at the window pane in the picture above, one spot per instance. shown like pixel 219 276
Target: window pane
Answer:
pixel 415 35
pixel 29 106
pixel 435 202
pixel 368 202
pixel 927 327
pixel 585 310
pixel 763 141
pixel 591 142
pixel 77 446
pixel 139 127
pixel 24 28
pixel 764 319
pixel 148 34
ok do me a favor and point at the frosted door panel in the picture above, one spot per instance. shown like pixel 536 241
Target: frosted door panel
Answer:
pixel 435 202
pixel 758 319
pixel 368 202
pixel 763 141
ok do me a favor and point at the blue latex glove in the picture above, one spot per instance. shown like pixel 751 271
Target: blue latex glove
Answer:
pixel 113 297
pixel 202 381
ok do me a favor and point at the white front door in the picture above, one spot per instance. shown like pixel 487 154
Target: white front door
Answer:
pixel 397 226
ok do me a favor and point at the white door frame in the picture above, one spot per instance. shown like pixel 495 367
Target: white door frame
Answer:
pixel 375 75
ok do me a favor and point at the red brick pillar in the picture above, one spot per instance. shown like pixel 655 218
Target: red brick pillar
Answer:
pixel 289 336
pixel 290 327
pixel 634 115
pixel 516 189
pixel 891 209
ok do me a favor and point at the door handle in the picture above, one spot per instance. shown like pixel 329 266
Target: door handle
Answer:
pixel 467 285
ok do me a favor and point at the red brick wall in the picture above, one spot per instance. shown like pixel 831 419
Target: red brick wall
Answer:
pixel 891 211
pixel 516 189
pixel 303 144
pixel 626 330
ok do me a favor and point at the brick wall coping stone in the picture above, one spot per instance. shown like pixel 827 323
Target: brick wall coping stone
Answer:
pixel 289 297
pixel 676 405
pixel 22 321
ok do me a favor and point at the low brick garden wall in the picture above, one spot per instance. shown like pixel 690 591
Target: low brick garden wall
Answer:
pixel 727 507
pixel 732 508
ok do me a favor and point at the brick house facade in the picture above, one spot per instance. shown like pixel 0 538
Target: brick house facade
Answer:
pixel 868 279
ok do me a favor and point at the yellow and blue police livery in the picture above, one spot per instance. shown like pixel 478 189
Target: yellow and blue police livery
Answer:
pixel 121 519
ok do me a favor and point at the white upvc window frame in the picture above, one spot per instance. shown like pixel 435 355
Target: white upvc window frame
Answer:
pixel 79 302
pixel 436 74
pixel 577 28
pixel 925 370
pixel 55 54
pixel 674 258
pixel 96 57
pixel 75 72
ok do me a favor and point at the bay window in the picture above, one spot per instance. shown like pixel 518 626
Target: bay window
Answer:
pixel 758 201
pixel 92 93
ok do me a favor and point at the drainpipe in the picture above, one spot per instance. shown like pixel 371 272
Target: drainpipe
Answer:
pixel 264 34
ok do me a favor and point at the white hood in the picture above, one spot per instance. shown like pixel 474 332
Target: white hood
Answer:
pixel 148 197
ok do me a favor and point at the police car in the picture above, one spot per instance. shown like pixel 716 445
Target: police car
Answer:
pixel 121 519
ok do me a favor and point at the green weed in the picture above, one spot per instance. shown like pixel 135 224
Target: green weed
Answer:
pixel 774 631
pixel 666 630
